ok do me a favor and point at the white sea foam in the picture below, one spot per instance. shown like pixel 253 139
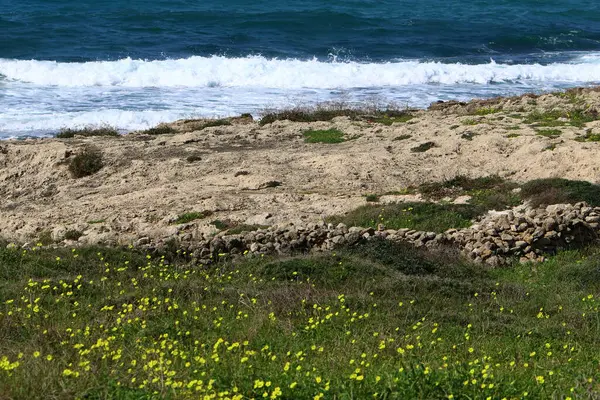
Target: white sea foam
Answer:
pixel 258 71
pixel 40 97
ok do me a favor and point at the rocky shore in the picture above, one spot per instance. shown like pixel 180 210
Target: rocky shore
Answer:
pixel 239 171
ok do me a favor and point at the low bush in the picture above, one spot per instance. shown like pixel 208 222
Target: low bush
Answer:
pixel 557 190
pixel 67 133
pixel 86 163
pixel 423 147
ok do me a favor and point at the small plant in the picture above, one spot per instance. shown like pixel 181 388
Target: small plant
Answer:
pixel 470 122
pixel 89 131
pixel 45 237
pixel 96 221
pixel 220 225
pixel 86 163
pixel 191 216
pixel 549 133
pixel 389 119
pixel 589 137
pixel 453 127
pixel 324 136
pixel 73 234
pixel 550 147
pixel 216 122
pixel 486 111
pixel 513 128
pixel 402 137
pixel 423 147
pixel 372 198
pixel 161 129
pixel 513 135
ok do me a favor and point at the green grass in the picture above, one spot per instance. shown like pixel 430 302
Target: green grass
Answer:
pixel 589 137
pixel 429 217
pixel 191 216
pixel 487 111
pixel 513 135
pixel 558 190
pixel 330 136
pixel 372 198
pixel 389 119
pixel 378 321
pixel 549 133
pixel 513 128
pixel 329 111
pixel 577 118
pixel 89 131
pixel 216 122
pixel 423 147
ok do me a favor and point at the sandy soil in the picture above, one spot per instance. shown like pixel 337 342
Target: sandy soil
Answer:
pixel 147 181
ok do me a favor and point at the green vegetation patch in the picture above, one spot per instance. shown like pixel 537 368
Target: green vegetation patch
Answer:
pixel 549 133
pixel 513 135
pixel 67 133
pixel 558 190
pixel 589 137
pixel 381 320
pixel 577 118
pixel 470 121
pixel 160 130
pixel 372 198
pixel 423 147
pixel 487 111
pixel 390 117
pixel 191 216
pixel 330 136
pixel 468 135
pixel 216 122
pixel 402 137
pixel 86 163
pixel 429 217
pixel 329 111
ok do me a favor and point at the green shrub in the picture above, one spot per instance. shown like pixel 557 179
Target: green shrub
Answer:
pixel 86 163
pixel 402 137
pixel 486 111
pixel 216 122
pixel 372 198
pixel 160 130
pixel 324 136
pixel 73 234
pixel 589 137
pixel 557 190
pixel 242 228
pixel 67 133
pixel 191 216
pixel 419 216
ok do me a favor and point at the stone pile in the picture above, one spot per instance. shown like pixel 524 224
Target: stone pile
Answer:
pixel 524 233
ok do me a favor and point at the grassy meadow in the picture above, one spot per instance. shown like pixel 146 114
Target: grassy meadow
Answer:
pixel 380 321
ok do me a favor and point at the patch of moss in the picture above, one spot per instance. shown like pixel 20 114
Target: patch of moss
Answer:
pixel 589 137
pixel 329 136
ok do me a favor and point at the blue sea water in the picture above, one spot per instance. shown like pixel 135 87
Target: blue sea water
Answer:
pixel 133 64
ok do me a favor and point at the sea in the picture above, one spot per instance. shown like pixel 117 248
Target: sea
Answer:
pixel 133 64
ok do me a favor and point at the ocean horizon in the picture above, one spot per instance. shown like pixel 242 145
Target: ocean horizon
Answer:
pixel 133 65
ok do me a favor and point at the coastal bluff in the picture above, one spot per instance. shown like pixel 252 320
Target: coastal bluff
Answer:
pixel 240 171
